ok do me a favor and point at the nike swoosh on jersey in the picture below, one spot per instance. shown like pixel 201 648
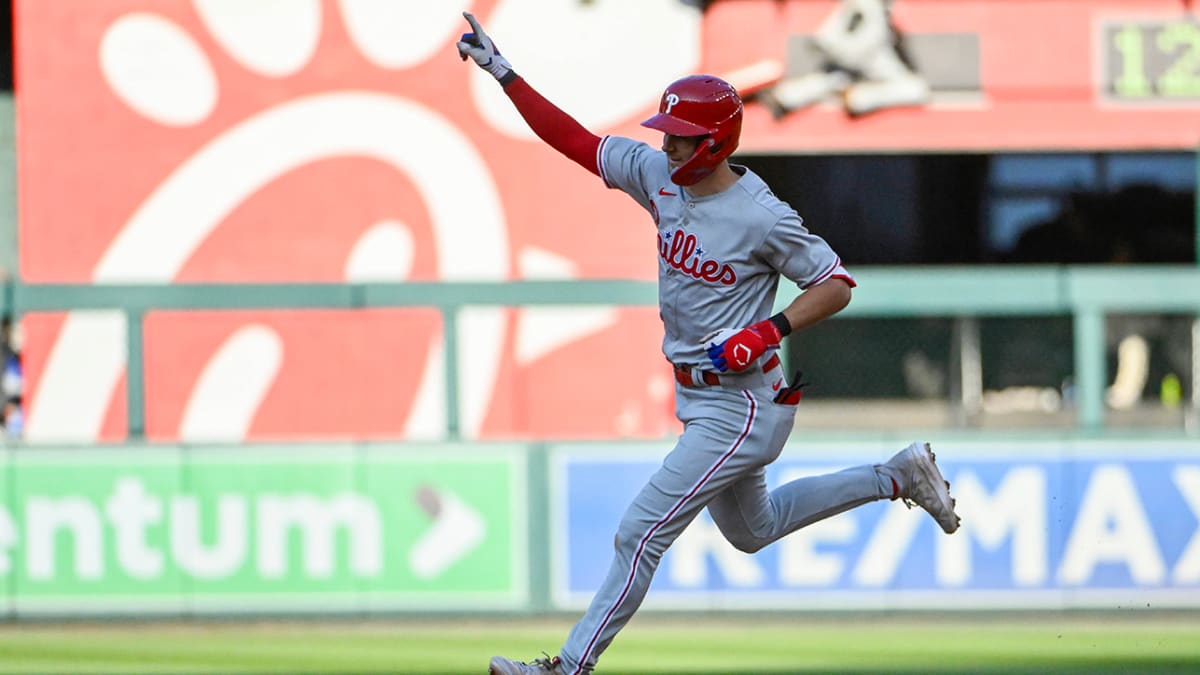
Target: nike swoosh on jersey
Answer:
pixel 775 387
pixel 664 193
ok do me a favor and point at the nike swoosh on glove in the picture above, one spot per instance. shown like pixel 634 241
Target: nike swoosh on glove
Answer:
pixel 739 350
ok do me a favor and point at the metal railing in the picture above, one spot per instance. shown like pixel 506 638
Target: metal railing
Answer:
pixel 965 294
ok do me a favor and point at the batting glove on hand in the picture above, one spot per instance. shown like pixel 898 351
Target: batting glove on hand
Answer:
pixel 480 47
pixel 737 351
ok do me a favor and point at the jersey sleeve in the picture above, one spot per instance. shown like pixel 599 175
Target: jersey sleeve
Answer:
pixel 558 129
pixel 627 165
pixel 801 255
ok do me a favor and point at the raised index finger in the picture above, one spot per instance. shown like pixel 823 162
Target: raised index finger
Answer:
pixel 475 27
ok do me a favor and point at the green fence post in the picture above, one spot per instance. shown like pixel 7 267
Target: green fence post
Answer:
pixel 1089 367
pixel 135 384
pixel 450 339
pixel 540 547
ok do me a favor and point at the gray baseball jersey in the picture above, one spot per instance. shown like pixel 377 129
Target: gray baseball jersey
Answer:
pixel 720 259
pixel 720 256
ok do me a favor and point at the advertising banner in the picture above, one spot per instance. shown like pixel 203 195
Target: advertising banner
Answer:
pixel 1075 525
pixel 328 529
pixel 336 142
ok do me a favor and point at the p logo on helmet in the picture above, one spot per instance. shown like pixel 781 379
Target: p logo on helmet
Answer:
pixel 700 105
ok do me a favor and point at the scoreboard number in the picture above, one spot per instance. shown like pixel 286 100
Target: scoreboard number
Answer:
pixel 1152 60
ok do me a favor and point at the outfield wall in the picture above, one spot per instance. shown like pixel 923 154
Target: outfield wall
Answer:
pixel 378 529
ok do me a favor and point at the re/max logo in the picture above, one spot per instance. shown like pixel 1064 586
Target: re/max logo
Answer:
pixel 1035 533
pixel 1015 534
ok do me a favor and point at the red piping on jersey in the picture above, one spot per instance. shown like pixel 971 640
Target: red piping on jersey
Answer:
pixel 663 521
pixel 832 273
pixel 600 163
pixel 558 129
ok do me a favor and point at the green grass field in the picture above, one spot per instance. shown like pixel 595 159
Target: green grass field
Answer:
pixel 1050 643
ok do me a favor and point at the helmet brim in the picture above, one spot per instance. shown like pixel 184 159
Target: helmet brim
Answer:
pixel 675 126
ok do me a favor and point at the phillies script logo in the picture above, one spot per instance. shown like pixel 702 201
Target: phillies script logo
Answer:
pixel 683 253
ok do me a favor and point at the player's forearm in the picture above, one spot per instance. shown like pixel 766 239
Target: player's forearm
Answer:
pixel 817 304
pixel 558 129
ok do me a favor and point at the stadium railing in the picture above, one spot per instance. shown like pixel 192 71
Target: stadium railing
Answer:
pixel 1085 293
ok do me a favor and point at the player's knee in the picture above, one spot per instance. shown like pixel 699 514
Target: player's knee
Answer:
pixel 621 538
pixel 742 535
pixel 624 544
pixel 630 534
pixel 625 537
pixel 747 543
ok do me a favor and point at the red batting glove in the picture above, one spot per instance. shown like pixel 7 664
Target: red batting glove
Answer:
pixel 743 347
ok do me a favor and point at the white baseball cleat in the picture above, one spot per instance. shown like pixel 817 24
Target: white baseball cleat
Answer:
pixel 921 482
pixel 547 666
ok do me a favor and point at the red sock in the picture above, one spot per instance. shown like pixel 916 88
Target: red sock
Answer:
pixel 895 489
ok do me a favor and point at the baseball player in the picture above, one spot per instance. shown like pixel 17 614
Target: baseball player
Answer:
pixel 724 240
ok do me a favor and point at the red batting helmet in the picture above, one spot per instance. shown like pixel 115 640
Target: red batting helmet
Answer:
pixel 700 105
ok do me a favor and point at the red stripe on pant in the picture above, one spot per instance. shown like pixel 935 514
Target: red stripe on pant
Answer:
pixel 657 526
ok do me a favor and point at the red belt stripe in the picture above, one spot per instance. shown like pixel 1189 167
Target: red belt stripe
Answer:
pixel 683 373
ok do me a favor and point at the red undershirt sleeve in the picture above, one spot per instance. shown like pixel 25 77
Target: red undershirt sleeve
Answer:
pixel 558 129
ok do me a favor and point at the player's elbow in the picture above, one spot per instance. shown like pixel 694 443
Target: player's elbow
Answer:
pixel 838 294
pixel 846 293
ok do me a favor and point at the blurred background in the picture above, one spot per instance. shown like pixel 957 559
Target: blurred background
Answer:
pixel 299 317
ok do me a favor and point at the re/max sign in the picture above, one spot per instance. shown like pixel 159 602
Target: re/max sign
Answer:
pixel 1035 532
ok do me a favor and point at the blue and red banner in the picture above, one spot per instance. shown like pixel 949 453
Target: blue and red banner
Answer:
pixel 1044 525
